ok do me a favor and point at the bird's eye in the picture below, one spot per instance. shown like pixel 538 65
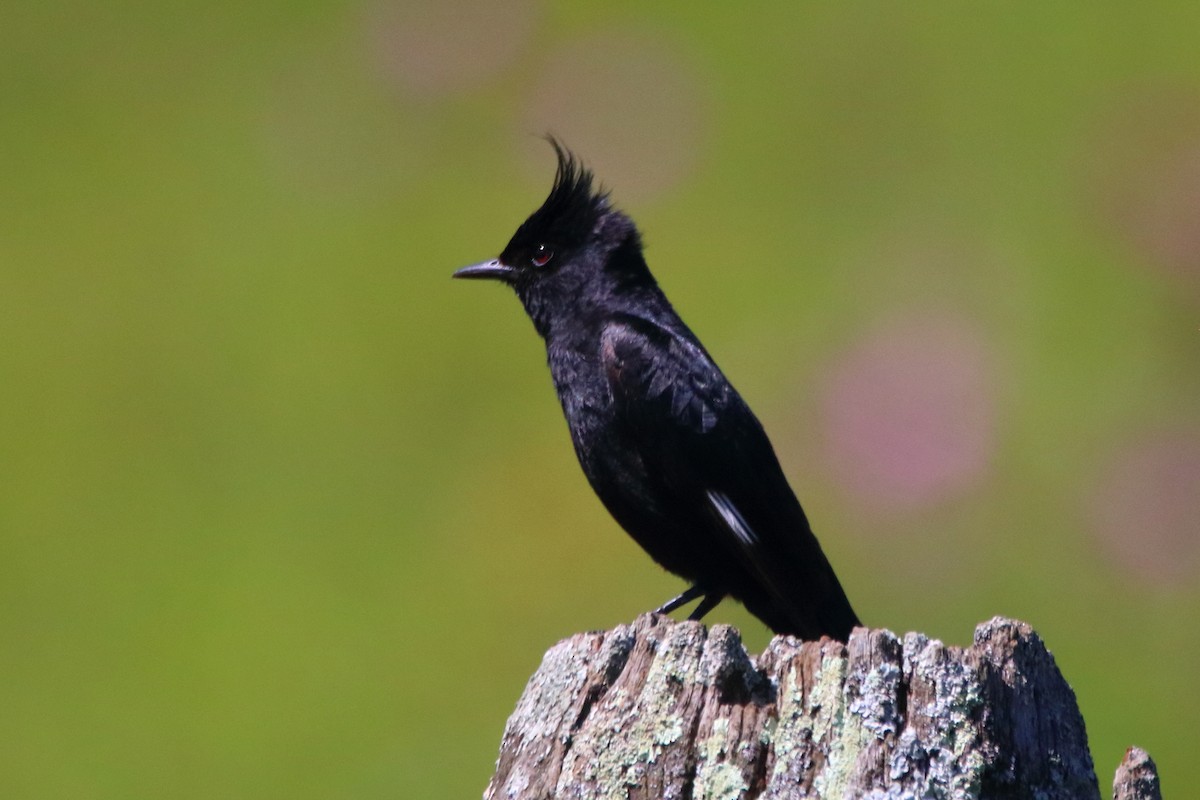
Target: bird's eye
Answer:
pixel 541 255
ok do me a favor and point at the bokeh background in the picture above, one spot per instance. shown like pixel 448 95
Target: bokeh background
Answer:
pixel 285 512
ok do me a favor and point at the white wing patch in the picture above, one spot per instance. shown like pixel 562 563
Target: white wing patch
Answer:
pixel 733 518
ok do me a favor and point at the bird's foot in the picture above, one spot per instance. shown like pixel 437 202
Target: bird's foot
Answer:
pixel 682 600
pixel 709 602
pixel 706 605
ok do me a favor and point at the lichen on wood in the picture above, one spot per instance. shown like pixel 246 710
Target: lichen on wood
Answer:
pixel 1137 777
pixel 665 709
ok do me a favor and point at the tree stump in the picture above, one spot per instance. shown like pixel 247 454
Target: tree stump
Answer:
pixel 665 709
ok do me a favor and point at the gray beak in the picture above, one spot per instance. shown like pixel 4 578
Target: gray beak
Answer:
pixel 493 269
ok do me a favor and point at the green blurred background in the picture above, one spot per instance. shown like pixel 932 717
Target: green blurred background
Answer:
pixel 285 512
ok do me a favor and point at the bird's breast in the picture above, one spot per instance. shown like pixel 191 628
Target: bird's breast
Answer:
pixel 583 392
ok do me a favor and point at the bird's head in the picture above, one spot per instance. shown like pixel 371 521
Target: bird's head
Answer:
pixel 575 253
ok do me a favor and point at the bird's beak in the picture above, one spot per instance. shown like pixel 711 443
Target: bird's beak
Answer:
pixel 494 269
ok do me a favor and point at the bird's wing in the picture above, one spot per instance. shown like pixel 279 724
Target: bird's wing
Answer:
pixel 661 378
pixel 706 447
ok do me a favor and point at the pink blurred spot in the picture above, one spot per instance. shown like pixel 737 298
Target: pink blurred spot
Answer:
pixel 1145 509
pixel 630 107
pixel 1147 166
pixel 433 48
pixel 908 414
pixel 1162 213
pixel 326 136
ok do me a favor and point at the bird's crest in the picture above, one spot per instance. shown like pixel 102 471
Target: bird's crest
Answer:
pixel 572 190
pixel 573 208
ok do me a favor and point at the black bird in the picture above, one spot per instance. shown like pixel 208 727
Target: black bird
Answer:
pixel 668 445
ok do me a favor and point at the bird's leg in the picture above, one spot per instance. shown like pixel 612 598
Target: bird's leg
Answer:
pixel 709 602
pixel 683 599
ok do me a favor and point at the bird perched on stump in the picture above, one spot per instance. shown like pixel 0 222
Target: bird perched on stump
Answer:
pixel 666 442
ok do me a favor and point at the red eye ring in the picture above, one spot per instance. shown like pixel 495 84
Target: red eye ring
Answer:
pixel 541 256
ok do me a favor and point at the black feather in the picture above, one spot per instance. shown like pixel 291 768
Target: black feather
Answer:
pixel 666 442
pixel 568 216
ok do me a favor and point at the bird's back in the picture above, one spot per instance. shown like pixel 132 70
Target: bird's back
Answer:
pixel 684 466
pixel 667 444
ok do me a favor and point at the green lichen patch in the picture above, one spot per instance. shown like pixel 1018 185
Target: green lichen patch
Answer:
pixel 617 757
pixel 716 777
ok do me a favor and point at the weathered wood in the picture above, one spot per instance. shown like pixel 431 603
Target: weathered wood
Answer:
pixel 664 709
pixel 1137 777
